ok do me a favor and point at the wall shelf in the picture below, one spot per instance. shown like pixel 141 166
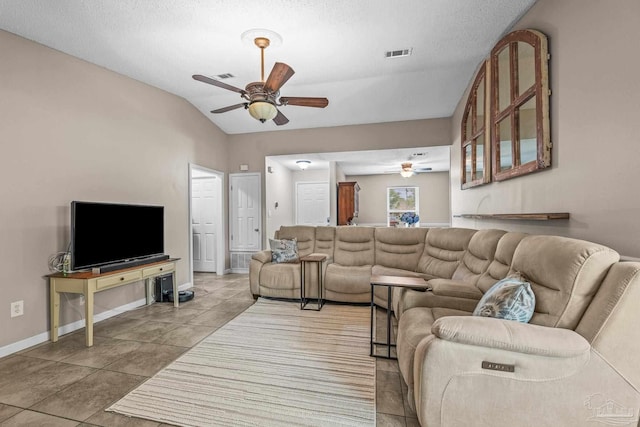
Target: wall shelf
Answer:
pixel 522 216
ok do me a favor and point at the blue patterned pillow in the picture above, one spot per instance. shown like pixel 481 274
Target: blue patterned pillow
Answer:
pixel 510 299
pixel 284 250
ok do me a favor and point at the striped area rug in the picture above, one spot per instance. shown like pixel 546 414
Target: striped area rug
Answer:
pixel 273 365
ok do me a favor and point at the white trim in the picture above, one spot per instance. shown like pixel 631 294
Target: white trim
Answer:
pixel 259 217
pixel 240 271
pixel 74 326
pixel 220 224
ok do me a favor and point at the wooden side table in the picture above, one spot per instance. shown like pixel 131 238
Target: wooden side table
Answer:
pixel 88 284
pixel 316 259
pixel 390 282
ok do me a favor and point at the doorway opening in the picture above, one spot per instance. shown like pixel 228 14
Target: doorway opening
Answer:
pixel 207 249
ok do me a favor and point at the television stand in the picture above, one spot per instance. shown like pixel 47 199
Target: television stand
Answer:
pixel 89 283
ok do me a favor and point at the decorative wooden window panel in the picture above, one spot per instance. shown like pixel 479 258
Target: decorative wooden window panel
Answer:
pixel 520 138
pixel 476 141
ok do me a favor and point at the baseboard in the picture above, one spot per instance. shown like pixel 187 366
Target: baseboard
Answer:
pixel 239 270
pixel 78 324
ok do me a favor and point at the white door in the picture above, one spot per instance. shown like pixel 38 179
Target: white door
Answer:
pixel 245 214
pixel 312 203
pixel 204 201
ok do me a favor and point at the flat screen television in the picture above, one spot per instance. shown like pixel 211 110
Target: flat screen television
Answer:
pixel 109 233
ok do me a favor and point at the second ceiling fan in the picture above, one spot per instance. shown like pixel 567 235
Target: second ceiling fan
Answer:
pixel 262 98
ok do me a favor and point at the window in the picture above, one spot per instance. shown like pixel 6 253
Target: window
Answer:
pixel 399 201
pixel 520 105
pixel 475 134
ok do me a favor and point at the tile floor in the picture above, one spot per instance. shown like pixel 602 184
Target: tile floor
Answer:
pixel 68 384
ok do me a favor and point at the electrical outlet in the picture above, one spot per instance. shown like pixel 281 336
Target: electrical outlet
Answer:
pixel 17 308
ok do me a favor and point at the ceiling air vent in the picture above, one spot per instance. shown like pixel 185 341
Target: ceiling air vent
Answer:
pixel 398 53
pixel 224 76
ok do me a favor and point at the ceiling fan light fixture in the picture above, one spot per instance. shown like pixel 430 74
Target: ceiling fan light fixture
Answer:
pixel 406 170
pixel 262 111
pixel 303 164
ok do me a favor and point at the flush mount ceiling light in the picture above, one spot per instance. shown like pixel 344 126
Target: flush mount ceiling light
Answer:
pixel 303 164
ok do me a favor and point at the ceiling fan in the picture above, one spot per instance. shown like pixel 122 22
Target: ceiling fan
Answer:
pixel 407 170
pixel 262 98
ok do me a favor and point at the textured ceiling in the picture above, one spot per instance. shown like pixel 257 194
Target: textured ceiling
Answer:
pixel 336 48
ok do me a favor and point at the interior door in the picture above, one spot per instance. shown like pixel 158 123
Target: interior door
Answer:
pixel 245 216
pixel 204 200
pixel 312 203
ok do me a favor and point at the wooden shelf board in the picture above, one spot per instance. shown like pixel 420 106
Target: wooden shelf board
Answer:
pixel 522 216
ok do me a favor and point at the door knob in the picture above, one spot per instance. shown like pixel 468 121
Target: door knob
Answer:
pixel 257 229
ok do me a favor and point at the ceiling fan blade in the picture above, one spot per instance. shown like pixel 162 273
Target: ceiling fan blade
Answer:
pixel 218 83
pixel 304 101
pixel 280 119
pixel 280 73
pixel 229 108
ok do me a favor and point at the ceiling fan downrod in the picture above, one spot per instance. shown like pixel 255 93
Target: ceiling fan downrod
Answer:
pixel 262 43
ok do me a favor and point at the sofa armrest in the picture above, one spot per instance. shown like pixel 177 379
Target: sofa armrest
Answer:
pixel 455 288
pixel 262 256
pixel 511 336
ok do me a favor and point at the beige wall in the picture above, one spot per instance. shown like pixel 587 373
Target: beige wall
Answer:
pixel 279 184
pixel 251 148
pixel 71 130
pixel 433 197
pixel 595 106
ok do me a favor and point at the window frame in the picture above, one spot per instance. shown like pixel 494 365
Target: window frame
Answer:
pixel 477 130
pixel 401 211
pixel 539 90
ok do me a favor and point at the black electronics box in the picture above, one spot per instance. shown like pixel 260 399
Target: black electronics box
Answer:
pixel 164 285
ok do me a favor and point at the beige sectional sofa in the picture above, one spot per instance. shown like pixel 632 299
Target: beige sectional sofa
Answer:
pixel 574 364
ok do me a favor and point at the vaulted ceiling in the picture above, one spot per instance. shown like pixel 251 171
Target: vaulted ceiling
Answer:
pixel 336 47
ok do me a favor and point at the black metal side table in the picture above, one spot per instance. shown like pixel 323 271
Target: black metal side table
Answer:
pixel 317 259
pixel 390 282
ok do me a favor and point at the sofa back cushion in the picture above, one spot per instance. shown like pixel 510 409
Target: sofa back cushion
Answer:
pixel 499 268
pixel 325 240
pixel 399 247
pixel 305 235
pixel 564 274
pixel 354 246
pixel 443 249
pixel 478 256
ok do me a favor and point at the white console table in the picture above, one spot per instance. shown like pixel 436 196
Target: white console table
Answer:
pixel 88 283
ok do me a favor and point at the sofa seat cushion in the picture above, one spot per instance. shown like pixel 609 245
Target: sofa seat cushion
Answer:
pixel 347 279
pixel 414 326
pixel 280 276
